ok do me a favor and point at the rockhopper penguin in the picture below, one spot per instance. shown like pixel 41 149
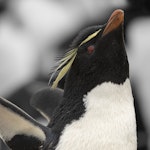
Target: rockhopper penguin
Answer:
pixel 96 110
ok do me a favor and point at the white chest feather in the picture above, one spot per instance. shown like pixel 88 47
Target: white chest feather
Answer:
pixel 108 123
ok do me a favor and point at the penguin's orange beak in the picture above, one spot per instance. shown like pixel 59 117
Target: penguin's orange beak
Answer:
pixel 115 20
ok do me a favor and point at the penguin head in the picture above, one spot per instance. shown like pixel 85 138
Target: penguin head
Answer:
pixel 97 55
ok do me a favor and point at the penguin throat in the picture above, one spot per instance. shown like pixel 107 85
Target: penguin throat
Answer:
pixel 108 92
pixel 100 100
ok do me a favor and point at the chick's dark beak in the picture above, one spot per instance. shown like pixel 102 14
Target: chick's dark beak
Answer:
pixel 115 20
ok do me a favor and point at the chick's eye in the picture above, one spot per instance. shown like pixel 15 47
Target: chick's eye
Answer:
pixel 90 49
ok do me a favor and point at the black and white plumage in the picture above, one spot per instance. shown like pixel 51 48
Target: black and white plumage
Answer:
pixel 96 110
pixel 19 131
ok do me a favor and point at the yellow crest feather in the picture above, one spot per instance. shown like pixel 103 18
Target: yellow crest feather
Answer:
pixel 90 37
pixel 63 71
pixel 66 62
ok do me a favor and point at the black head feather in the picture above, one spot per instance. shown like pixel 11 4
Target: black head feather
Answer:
pixel 107 63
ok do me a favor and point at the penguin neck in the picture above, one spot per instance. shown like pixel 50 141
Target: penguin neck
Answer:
pixel 78 86
pixel 105 90
pixel 75 106
pixel 108 93
pixel 74 93
pixel 109 110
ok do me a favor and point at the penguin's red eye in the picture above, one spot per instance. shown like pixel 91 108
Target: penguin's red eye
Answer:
pixel 90 49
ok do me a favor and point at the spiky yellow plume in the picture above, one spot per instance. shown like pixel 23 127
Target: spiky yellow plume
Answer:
pixel 66 62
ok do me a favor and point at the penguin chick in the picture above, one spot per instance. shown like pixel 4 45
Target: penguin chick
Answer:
pixel 46 100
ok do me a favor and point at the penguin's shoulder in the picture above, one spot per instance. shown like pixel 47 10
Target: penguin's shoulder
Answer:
pixel 108 109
